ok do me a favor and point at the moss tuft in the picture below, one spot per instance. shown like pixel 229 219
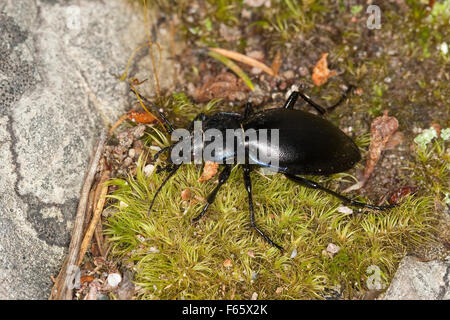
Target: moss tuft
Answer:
pixel 175 259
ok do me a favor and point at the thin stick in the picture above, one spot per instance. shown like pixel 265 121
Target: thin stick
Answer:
pixel 95 218
pixel 117 123
pixel 61 289
pixel 98 233
pixel 244 59
pixel 96 189
pixel 90 207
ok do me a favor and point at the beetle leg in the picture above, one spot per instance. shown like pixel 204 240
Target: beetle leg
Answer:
pixel 199 117
pixel 290 102
pixel 171 173
pixel 223 177
pixel 162 151
pixel 248 110
pixel 168 167
pixel 248 187
pixel 314 185
pixel 294 96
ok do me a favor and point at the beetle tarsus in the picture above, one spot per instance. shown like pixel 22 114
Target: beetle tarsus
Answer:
pixel 248 187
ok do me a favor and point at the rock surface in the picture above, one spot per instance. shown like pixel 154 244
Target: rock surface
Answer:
pixel 59 62
pixel 416 280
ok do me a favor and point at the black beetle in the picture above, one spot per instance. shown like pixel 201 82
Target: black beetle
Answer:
pixel 308 145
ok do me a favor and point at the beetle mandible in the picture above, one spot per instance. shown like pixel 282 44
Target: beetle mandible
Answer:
pixel 308 145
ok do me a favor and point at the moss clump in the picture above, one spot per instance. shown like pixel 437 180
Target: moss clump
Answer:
pixel 175 259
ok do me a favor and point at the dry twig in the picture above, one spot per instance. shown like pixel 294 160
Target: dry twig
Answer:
pixel 61 288
pixel 95 217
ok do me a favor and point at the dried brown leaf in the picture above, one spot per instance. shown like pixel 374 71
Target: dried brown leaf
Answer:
pixel 321 73
pixel 381 129
pixel 209 171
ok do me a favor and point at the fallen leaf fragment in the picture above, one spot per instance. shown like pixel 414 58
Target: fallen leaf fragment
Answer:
pixel 87 279
pixel 381 129
pixel 321 73
pixel 141 117
pixel 227 263
pixel 401 193
pixel 276 63
pixel 209 171
pixel 186 194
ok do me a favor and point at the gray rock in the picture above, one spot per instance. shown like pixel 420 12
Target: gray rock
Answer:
pixel 416 280
pixel 59 62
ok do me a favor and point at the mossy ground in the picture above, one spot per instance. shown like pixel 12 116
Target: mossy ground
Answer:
pixel 400 67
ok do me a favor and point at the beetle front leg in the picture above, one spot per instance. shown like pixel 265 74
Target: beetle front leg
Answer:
pixel 223 177
pixel 315 185
pixel 248 110
pixel 248 187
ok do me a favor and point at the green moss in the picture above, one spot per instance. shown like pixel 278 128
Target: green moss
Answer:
pixel 175 259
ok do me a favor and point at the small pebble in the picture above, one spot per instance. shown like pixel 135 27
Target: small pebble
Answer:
pixel 254 296
pixel 333 249
pixel 114 279
pixel 344 209
pixel 303 71
pixel 288 74
pixel 148 169
pixel 123 204
pixel 294 253
pixel 153 250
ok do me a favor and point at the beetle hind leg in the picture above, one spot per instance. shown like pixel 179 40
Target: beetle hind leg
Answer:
pixel 315 185
pixel 248 187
